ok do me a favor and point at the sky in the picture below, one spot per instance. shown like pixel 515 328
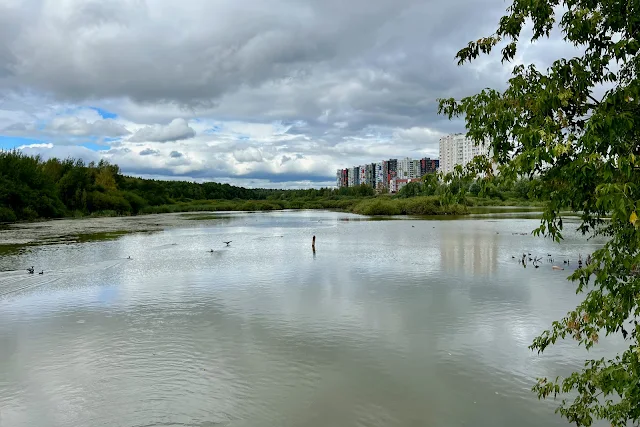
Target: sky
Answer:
pixel 275 94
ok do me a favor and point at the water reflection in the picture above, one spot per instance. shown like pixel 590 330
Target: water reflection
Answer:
pixel 473 251
pixel 389 323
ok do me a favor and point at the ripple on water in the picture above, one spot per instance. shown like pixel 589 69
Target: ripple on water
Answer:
pixel 387 325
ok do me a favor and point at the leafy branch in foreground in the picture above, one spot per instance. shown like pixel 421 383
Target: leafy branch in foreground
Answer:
pixel 576 125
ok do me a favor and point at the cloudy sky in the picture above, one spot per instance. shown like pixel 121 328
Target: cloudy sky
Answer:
pixel 276 93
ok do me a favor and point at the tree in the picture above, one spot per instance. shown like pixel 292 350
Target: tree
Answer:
pixel 411 189
pixel 577 125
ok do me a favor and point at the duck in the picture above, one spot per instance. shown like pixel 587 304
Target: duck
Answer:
pixel 41 272
pixel 30 270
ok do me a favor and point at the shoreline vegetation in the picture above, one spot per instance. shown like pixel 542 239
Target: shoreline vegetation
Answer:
pixel 33 189
pixel 371 206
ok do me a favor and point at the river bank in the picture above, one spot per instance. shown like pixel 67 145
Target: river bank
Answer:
pixel 77 229
pixel 69 230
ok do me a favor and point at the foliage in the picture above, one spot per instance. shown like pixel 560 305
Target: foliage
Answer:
pixel 31 188
pixel 413 206
pixel 378 206
pixel 577 125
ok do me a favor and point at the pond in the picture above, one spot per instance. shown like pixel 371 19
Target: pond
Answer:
pixel 389 323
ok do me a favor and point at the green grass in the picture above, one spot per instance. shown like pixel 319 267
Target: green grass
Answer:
pixel 98 237
pixel 6 249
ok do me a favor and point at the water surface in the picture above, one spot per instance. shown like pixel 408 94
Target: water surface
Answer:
pixel 389 323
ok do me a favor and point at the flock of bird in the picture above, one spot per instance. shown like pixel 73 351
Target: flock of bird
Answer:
pixel 31 270
pixel 226 243
pixel 535 261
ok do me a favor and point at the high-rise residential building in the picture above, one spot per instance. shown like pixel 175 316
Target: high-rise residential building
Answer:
pixel 402 172
pixel 342 178
pixel 355 172
pixel 369 175
pixel 392 169
pixel 350 179
pixel 415 169
pixel 380 175
pixel 457 149
pixel 407 168
pixel 428 165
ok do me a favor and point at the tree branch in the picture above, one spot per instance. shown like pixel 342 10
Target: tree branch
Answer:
pixel 593 99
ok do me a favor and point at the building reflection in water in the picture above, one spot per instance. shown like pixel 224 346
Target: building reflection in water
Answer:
pixel 472 252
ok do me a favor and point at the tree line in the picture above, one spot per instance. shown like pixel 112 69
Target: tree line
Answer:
pixel 464 188
pixel 32 188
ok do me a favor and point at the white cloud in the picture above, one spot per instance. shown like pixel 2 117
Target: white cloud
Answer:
pixel 177 130
pixel 35 146
pixel 76 126
pixel 249 92
pixel 250 154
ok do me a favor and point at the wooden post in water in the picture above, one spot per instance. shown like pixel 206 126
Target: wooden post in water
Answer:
pixel 313 244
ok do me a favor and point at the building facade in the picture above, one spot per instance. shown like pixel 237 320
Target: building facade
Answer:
pixel 342 178
pixel 428 165
pixel 392 169
pixel 457 149
pixel 381 174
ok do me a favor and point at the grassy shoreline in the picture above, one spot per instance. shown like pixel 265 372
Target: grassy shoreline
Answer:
pixel 19 235
pixel 373 206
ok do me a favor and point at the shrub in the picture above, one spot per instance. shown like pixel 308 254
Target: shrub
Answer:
pixel 7 215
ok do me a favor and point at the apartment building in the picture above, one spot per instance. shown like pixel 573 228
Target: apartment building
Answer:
pixel 457 149
pixel 380 175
